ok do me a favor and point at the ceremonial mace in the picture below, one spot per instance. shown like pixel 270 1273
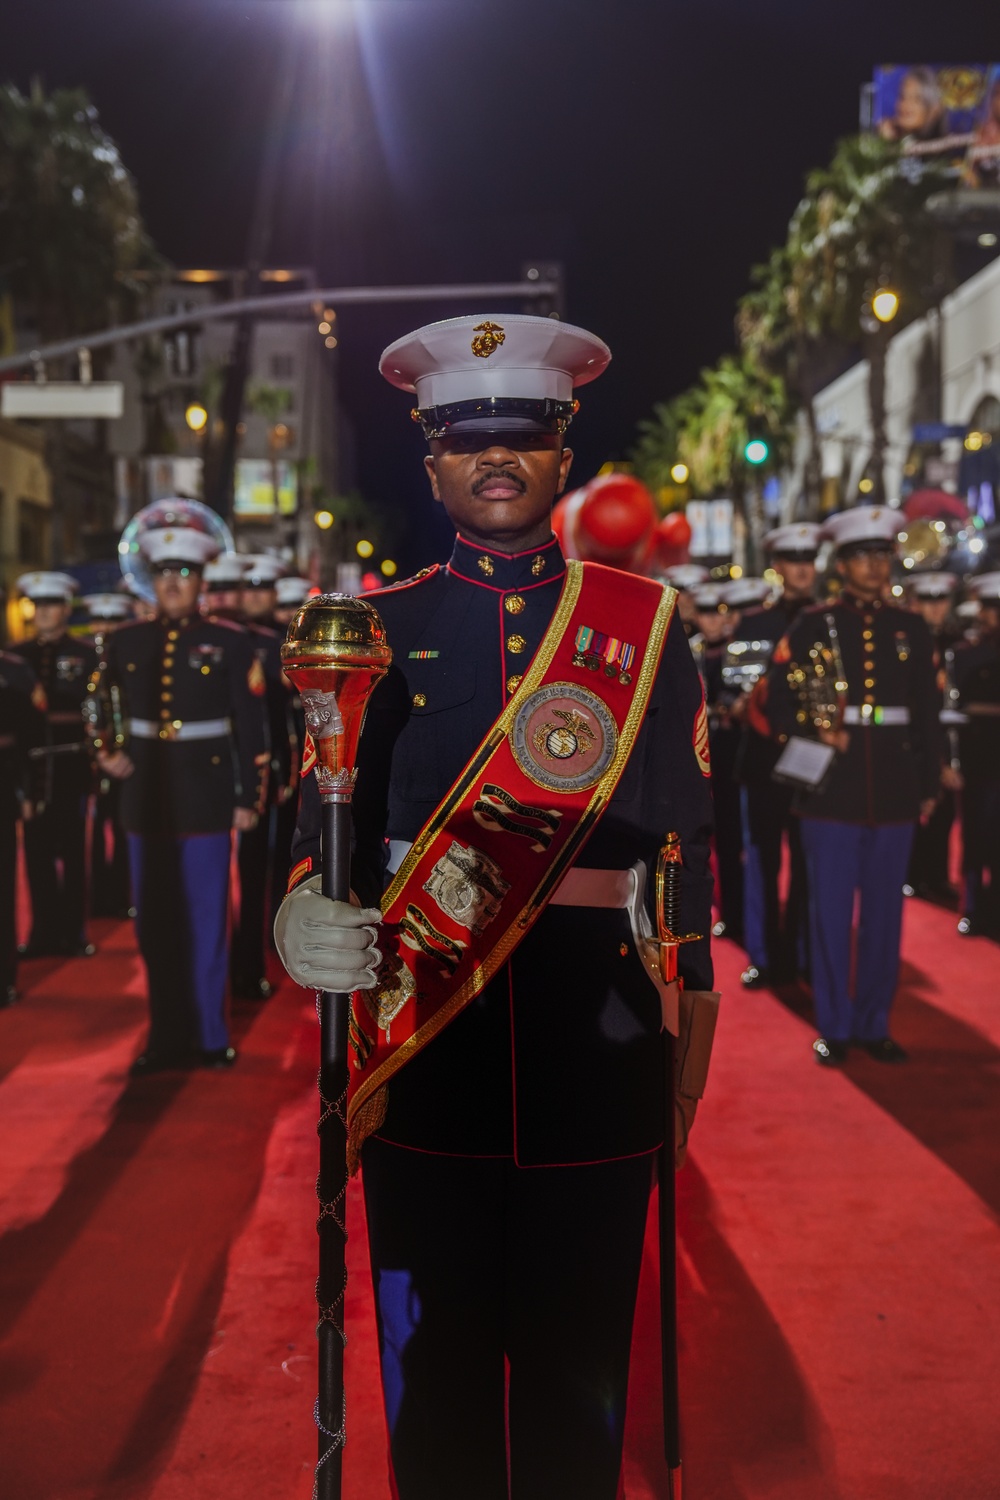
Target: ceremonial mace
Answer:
pixel 335 653
pixel 668 917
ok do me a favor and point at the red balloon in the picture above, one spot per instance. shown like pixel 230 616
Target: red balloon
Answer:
pixel 616 519
pixel 674 531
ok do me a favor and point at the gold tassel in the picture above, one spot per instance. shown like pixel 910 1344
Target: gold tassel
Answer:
pixel 369 1118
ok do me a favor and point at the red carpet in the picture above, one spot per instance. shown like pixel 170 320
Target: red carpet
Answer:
pixel 839 1249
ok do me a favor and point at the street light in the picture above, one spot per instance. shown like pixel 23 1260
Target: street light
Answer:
pixel 885 304
pixel 389 567
pixel 324 519
pixel 365 549
pixel 196 416
pixel 679 473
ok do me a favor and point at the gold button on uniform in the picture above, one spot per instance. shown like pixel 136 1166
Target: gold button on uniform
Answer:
pixel 516 644
pixel 171 635
pixel 513 683
pixel 869 666
pixel 866 635
pixel 166 681
pixel 420 700
pixel 513 604
pixel 869 682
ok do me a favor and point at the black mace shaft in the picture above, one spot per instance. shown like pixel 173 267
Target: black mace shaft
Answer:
pixel 331 1184
pixel 668 1282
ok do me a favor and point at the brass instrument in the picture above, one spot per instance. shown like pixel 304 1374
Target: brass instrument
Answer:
pixel 745 663
pixel 103 718
pixel 820 683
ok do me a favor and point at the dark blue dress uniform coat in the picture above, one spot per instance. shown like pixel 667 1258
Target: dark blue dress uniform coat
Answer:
pixel 22 729
pixel 57 836
pixel 858 831
pixel 774 942
pixel 247 953
pixel 196 669
pixel 177 807
pixel 559 1059
pixel 889 769
pixel 977 676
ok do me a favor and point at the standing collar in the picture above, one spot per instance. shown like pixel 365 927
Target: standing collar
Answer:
pixel 507 570
pixel 851 598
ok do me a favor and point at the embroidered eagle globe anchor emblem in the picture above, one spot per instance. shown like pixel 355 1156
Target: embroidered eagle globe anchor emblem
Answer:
pixel 564 737
pixel 489 337
pixel 560 741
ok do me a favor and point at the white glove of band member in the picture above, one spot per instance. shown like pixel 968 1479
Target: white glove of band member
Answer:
pixel 324 944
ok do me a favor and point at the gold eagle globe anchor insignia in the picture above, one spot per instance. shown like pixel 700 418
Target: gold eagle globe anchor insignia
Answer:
pixel 564 737
pixel 489 337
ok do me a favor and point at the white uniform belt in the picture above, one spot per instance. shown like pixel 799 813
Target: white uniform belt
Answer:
pixel 878 716
pixel 193 729
pixel 578 887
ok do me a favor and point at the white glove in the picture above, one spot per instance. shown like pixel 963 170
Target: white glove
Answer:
pixel 324 944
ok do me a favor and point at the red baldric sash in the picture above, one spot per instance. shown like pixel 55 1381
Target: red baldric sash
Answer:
pixel 483 867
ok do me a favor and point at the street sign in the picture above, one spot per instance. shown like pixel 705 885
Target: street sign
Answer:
pixel 936 432
pixel 67 399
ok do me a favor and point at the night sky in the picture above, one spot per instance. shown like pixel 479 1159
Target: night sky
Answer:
pixel 655 147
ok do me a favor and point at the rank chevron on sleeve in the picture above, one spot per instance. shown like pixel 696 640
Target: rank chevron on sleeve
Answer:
pixel 471 886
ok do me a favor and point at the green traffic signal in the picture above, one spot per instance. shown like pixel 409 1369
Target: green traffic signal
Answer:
pixel 756 451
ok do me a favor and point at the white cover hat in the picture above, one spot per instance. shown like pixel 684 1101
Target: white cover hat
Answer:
pixel 178 544
pixel 933 585
pixel 40 587
pixel 292 590
pixel 863 524
pixel 225 571
pixel 686 575
pixel 108 606
pixel 710 597
pixel 799 537
pixel 744 591
pixel 261 570
pixel 505 371
pixel 986 587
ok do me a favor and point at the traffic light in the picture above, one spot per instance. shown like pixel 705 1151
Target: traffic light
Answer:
pixel 756 450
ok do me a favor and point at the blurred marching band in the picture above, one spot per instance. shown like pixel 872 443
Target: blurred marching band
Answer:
pixel 152 754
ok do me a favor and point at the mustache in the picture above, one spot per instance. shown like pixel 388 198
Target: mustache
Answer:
pixel 503 475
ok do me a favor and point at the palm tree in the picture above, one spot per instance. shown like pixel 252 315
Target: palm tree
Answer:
pixel 863 224
pixel 271 402
pixel 75 253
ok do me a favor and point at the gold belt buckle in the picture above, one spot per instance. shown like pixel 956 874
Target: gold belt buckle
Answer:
pixel 169 731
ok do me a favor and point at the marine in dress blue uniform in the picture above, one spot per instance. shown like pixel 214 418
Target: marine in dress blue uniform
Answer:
pixel 857 832
pixel 976 674
pixel 931 595
pixel 774 932
pixel 226 590
pixel 22 729
pixel 55 840
pixel 290 593
pixel 507 1189
pixel 110 882
pixel 194 766
pixel 715 622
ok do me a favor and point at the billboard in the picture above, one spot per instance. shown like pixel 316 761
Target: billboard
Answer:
pixel 943 111
pixel 254 488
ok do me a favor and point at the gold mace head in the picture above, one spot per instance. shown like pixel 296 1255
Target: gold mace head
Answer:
pixel 335 653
